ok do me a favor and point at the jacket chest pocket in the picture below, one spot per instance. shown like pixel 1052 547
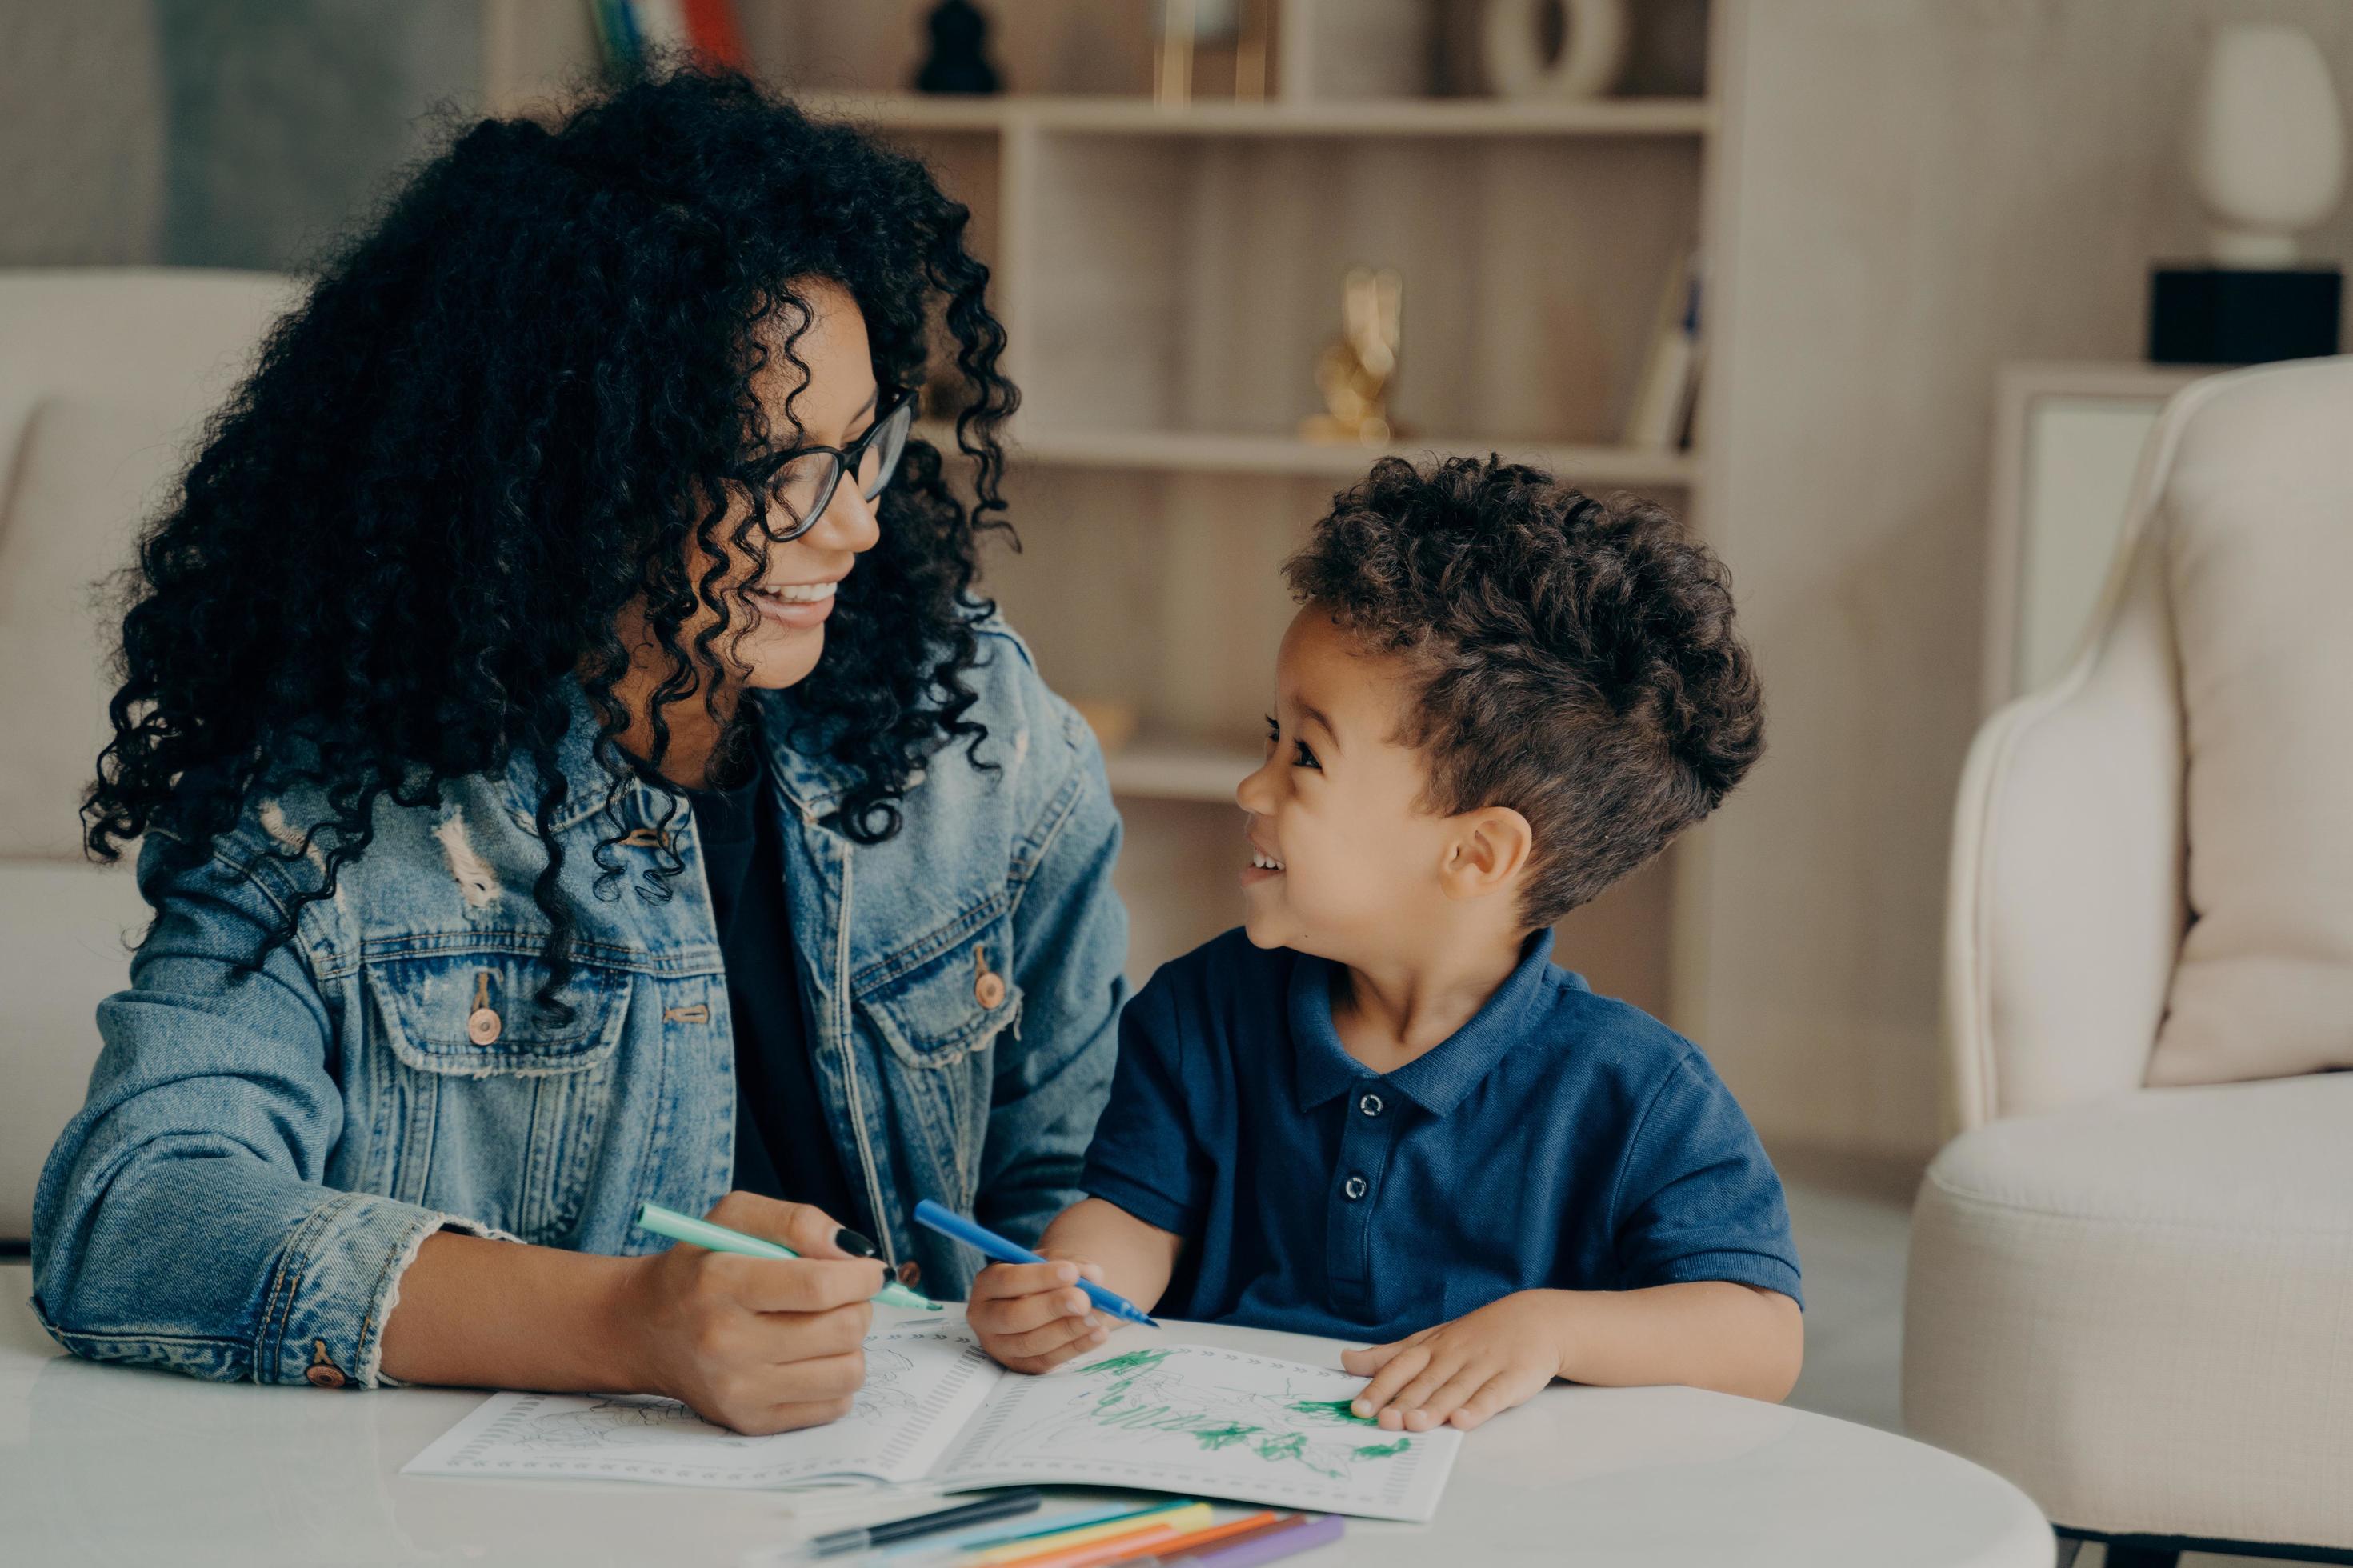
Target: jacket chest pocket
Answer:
pixel 938 1019
pixel 493 1106
pixel 943 1009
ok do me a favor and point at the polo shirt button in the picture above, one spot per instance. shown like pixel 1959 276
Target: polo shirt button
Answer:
pixel 1370 1105
pixel 1353 1187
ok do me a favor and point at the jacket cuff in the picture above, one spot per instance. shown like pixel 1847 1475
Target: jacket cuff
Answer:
pixel 335 1282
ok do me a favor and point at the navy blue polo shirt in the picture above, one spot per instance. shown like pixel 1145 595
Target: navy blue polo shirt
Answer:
pixel 1559 1139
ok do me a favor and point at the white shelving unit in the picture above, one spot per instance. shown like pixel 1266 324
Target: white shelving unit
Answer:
pixel 1180 451
pixel 1167 276
pixel 1115 116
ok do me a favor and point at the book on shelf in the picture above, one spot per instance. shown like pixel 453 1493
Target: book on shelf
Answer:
pixel 630 30
pixel 712 31
pixel 1660 418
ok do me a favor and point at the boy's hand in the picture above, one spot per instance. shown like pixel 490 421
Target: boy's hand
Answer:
pixel 757 1344
pixel 1464 1370
pixel 1032 1316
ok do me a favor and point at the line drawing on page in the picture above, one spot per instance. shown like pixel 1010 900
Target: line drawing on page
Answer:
pixel 885 1394
pixel 629 1420
pixel 622 1421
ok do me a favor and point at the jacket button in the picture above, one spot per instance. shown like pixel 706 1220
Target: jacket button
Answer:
pixel 989 987
pixel 322 1372
pixel 482 1025
pixel 910 1272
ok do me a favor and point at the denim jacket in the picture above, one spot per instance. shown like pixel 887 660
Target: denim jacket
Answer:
pixel 260 1158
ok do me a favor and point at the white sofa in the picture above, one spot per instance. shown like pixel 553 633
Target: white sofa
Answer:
pixel 2136 1301
pixel 105 374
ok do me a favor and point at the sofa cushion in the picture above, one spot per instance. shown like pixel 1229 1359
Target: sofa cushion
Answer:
pixel 2259 543
pixel 63 928
pixel 87 472
pixel 2141 1309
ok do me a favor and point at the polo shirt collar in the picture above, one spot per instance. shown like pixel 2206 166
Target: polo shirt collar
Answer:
pixel 1438 1078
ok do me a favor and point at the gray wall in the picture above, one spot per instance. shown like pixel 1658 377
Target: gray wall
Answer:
pixel 215 132
pixel 81 133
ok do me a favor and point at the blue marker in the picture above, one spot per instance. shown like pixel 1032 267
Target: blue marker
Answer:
pixel 949 1223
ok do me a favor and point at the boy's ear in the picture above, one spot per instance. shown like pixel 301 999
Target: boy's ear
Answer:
pixel 1491 848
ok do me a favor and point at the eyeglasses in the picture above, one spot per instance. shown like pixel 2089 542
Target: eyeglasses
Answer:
pixel 803 481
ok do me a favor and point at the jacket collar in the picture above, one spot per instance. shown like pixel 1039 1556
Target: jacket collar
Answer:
pixel 811 780
pixel 1438 1077
pixel 811 783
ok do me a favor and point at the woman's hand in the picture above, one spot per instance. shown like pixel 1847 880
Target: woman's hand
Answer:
pixel 757 1344
pixel 1033 1317
pixel 1468 1370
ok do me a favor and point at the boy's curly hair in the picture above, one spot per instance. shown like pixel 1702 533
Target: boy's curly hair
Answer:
pixel 1571 658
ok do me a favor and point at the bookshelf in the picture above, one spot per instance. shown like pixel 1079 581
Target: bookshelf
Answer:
pixel 1181 451
pixel 1166 275
pixel 1105 115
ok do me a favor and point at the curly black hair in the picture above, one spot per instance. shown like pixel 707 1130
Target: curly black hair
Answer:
pixel 1572 658
pixel 502 415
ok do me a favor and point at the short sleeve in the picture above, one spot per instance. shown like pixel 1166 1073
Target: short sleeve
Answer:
pixel 1696 1198
pixel 1146 1157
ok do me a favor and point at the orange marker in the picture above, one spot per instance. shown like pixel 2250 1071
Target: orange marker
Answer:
pixel 1111 1548
pixel 1215 1534
pixel 1175 1518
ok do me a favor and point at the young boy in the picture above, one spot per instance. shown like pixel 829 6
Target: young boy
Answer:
pixel 1377 1111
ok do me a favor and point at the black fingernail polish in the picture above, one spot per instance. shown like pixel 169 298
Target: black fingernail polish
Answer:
pixel 852 1243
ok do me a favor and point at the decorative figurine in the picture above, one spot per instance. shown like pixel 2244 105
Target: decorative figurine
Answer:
pixel 1239 34
pixel 1172 54
pixel 1357 370
pixel 959 62
pixel 1594 38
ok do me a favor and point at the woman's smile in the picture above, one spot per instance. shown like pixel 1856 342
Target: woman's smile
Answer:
pixel 798 606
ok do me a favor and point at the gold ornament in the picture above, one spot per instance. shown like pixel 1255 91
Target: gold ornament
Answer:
pixel 1356 369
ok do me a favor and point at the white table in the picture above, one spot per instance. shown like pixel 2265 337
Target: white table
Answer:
pixel 108 1465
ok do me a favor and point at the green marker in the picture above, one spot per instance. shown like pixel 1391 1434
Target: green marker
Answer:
pixel 719 1239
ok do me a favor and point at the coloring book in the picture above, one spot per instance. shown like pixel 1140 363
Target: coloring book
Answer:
pixel 1191 1419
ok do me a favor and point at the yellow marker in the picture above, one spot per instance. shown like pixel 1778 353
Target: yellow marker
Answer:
pixel 1175 1516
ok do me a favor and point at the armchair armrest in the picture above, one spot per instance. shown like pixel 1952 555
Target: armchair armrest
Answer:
pixel 2066 904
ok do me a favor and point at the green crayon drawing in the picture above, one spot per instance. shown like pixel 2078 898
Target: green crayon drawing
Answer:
pixel 1290 1446
pixel 1333 1410
pixel 1223 1437
pixel 1140 1395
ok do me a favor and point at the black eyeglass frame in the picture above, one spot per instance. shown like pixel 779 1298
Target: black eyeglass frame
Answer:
pixel 899 407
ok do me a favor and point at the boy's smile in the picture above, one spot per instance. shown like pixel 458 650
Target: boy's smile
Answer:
pixel 1263 864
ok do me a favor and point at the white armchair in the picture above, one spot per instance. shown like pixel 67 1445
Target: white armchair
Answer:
pixel 104 375
pixel 2136 1301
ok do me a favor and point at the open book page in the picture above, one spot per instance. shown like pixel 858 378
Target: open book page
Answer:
pixel 1212 1423
pixel 923 1383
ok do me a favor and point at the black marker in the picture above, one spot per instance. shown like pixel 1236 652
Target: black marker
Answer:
pixel 1003 1505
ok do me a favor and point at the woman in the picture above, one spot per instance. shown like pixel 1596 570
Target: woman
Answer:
pixel 555 692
